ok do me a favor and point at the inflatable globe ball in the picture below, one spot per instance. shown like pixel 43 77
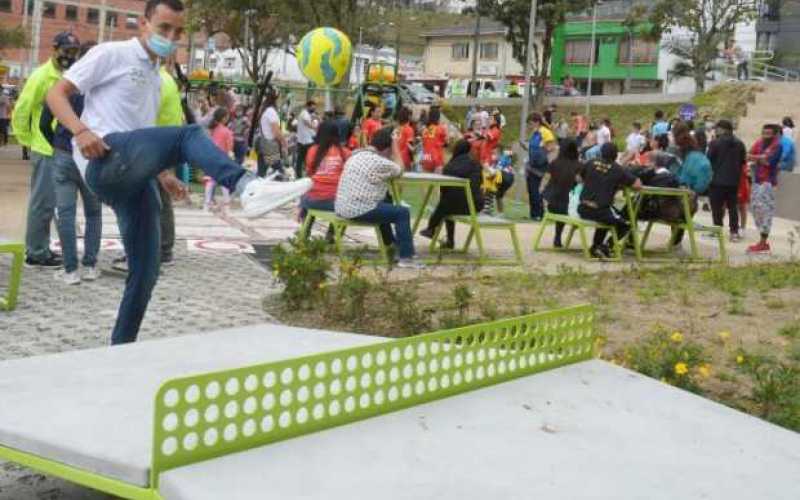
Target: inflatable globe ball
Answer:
pixel 323 56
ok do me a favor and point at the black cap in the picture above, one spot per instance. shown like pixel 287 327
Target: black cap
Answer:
pixel 66 40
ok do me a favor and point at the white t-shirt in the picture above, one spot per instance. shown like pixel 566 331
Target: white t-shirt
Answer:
pixel 305 133
pixel 268 118
pixel 603 135
pixel 635 142
pixel 121 87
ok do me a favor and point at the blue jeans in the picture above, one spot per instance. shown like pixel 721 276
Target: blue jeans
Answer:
pixel 126 179
pixel 534 196
pixel 68 183
pixel 386 214
pixel 41 207
pixel 239 151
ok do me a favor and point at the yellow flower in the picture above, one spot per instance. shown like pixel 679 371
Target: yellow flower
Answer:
pixel 676 337
pixel 740 359
pixel 704 371
pixel 681 369
pixel 724 336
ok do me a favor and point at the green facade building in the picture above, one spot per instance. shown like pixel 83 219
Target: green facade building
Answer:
pixel 615 62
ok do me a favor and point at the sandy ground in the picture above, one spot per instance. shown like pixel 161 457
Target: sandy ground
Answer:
pixel 14 181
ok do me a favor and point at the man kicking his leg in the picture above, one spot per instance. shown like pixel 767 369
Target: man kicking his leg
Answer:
pixel 121 154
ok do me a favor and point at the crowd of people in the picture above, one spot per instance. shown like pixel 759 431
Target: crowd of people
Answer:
pixel 109 123
pixel 582 169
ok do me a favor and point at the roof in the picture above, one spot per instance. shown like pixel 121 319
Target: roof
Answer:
pixel 488 27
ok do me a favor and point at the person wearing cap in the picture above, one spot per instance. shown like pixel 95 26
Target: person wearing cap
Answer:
pixel 727 155
pixel 25 121
pixel 306 130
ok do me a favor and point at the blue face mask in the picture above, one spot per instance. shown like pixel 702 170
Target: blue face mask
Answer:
pixel 162 47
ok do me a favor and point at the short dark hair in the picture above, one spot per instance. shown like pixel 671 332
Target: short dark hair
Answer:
pixel 535 117
pixel 659 114
pixel 609 151
pixel 637 125
pixel 151 5
pixel 774 127
pixel 607 121
pixel 788 122
pixel 382 140
pixel 725 125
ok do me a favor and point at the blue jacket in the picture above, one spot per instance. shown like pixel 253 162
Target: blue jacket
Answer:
pixel 695 172
pixel 787 154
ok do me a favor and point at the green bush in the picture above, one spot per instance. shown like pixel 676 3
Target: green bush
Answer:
pixel 302 270
pixel 670 358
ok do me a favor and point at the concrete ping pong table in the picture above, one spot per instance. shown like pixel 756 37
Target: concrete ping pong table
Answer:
pixel 510 409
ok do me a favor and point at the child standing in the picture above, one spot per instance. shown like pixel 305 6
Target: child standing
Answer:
pixel 222 136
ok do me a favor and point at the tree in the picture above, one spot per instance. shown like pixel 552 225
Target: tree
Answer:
pixel 696 30
pixel 12 38
pixel 254 27
pixel 515 15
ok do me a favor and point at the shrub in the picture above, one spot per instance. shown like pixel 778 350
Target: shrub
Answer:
pixel 349 301
pixel 302 270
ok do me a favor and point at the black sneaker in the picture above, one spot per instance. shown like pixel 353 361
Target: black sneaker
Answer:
pixel 427 232
pixel 600 252
pixel 51 262
pixel 167 260
pixel 120 264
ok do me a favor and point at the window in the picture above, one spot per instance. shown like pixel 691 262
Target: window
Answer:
pixel 111 19
pixel 489 51
pixel 71 13
pixel 5 5
pixel 132 21
pixel 92 16
pixel 459 51
pixel 579 52
pixel 49 10
pixel 644 52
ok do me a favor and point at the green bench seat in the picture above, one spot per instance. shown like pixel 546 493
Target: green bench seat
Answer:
pixel 8 302
pixel 580 226
pixel 695 228
pixel 340 225
pixel 484 222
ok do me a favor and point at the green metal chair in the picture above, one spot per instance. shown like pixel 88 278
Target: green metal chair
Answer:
pixel 340 225
pixel 8 302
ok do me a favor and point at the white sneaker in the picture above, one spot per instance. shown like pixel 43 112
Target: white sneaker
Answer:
pixel 410 264
pixel 72 278
pixel 261 196
pixel 90 273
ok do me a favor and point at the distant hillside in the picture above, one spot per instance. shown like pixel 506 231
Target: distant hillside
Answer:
pixel 413 23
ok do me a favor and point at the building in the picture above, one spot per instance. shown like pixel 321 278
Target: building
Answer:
pixel 97 20
pixel 776 31
pixel 449 52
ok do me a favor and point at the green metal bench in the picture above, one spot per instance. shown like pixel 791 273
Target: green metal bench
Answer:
pixel 581 226
pixel 340 225
pixel 8 302
pixel 695 228
pixel 484 222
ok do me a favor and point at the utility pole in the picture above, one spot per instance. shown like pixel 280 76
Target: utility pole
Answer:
pixel 474 79
pixel 523 120
pixel 36 34
pixel 591 60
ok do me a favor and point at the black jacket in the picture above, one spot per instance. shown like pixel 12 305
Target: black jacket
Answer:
pixel 727 155
pixel 562 180
pixel 465 167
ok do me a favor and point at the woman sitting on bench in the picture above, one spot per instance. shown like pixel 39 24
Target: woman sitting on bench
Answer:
pixel 562 179
pixel 453 200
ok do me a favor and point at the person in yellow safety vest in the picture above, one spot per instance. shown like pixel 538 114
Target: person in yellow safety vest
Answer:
pixel 25 120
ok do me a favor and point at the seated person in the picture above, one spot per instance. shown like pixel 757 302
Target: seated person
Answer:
pixel 324 164
pixel 453 200
pixel 362 192
pixel 601 180
pixel 505 164
pixel 590 149
pixel 694 172
pixel 659 156
pixel 562 173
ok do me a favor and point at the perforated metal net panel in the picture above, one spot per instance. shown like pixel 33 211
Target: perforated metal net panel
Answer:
pixel 213 414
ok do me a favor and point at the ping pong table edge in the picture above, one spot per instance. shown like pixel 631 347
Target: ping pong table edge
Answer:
pixel 205 416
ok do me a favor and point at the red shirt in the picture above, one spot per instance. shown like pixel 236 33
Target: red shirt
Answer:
pixel 489 144
pixel 223 138
pixel 404 141
pixel 369 128
pixel 325 178
pixel 434 139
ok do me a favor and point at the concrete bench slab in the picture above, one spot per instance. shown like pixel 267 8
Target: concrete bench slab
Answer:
pixel 93 409
pixel 589 430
